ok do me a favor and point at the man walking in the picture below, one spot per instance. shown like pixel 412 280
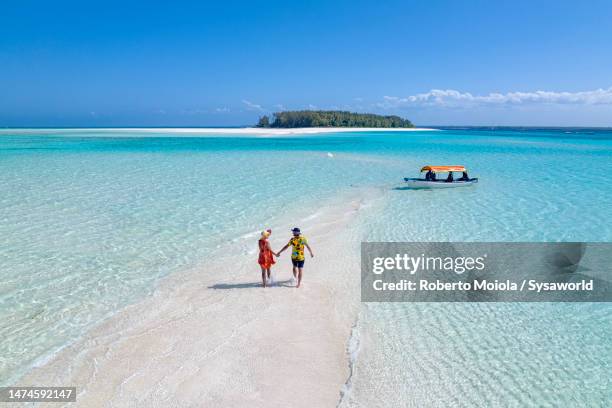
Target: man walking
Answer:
pixel 298 242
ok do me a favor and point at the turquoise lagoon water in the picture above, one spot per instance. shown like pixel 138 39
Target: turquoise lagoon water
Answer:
pixel 90 220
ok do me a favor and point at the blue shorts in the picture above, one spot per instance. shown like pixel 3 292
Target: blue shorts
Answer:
pixel 299 264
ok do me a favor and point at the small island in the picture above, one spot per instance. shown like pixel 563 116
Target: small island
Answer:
pixel 311 118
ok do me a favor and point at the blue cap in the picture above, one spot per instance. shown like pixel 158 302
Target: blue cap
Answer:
pixel 295 229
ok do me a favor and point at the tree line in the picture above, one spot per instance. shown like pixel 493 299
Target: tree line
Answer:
pixel 311 118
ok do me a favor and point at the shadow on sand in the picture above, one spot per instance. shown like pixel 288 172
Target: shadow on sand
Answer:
pixel 247 285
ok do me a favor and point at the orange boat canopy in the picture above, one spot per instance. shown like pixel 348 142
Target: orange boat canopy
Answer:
pixel 437 169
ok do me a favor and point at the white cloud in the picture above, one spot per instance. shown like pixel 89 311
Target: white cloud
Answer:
pixel 222 110
pixel 252 106
pixel 453 98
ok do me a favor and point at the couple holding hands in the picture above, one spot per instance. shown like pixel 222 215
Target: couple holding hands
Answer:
pixel 266 256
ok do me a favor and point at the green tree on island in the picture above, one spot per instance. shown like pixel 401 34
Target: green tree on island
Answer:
pixel 308 118
pixel 264 121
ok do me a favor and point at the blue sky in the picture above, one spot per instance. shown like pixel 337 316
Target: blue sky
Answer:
pixel 198 63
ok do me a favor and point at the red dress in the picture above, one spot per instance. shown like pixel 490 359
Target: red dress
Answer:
pixel 266 258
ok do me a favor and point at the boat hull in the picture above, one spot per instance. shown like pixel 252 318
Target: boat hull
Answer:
pixel 422 183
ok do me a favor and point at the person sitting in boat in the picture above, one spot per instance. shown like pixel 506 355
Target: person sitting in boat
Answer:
pixel 430 176
pixel 464 177
pixel 450 179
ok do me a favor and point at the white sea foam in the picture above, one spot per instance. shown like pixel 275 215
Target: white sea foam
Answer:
pixel 352 351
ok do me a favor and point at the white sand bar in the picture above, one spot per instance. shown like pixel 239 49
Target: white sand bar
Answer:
pixel 215 131
pixel 228 342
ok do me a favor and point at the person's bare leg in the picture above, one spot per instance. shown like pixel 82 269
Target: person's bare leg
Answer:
pixel 295 270
pixel 269 270
pixel 299 277
pixel 263 276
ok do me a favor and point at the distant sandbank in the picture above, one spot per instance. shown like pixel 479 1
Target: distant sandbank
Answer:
pixel 226 131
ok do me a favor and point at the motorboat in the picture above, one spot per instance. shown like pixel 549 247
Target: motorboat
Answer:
pixel 432 179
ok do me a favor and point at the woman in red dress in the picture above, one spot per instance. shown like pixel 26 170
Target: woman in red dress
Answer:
pixel 266 257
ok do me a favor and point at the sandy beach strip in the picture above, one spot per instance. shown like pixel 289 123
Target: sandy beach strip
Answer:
pixel 225 341
pixel 246 131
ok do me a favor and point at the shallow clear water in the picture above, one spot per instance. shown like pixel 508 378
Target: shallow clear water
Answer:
pixel 91 220
pixel 89 225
